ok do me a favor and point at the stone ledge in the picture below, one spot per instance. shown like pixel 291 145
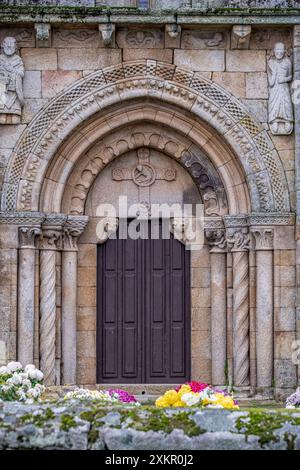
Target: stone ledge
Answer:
pixel 82 426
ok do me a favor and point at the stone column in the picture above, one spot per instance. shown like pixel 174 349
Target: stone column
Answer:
pixel 49 244
pixel 217 241
pixel 26 281
pixel 264 307
pixel 72 229
pixel 238 239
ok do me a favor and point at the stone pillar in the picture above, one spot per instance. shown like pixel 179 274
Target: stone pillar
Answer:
pixel 51 237
pixel 264 307
pixel 217 241
pixel 238 239
pixel 296 70
pixel 72 229
pixel 26 282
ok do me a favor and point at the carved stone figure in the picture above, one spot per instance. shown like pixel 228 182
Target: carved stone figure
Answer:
pixel 11 86
pixel 280 103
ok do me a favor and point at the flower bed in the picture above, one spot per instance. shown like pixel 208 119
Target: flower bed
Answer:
pixel 18 383
pixel 109 397
pixel 197 394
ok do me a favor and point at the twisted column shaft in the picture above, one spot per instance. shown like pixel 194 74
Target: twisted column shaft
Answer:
pixel 241 361
pixel 47 315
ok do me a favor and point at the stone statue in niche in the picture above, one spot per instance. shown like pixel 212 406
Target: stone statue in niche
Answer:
pixel 11 83
pixel 280 110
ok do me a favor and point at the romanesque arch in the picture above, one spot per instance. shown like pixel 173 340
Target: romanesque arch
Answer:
pixel 210 133
pixel 190 92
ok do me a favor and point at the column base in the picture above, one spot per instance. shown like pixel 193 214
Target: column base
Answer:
pixel 242 392
pixel 264 393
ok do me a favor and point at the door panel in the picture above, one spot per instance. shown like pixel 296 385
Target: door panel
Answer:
pixel 143 311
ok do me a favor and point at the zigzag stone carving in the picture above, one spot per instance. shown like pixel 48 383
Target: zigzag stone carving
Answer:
pixel 166 83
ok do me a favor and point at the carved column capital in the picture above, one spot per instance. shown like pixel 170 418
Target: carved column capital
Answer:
pixel 72 229
pixel 216 238
pixel 27 236
pixel 263 238
pixel 238 239
pixel 50 239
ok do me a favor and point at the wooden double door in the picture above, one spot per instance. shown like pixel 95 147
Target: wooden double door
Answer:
pixel 143 311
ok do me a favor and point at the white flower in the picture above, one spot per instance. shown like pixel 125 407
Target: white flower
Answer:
pixel 39 374
pixel 16 379
pixel 29 366
pixel 13 366
pixel 22 395
pixel 290 407
pixel 26 383
pixel 4 370
pixel 32 373
pixel 190 399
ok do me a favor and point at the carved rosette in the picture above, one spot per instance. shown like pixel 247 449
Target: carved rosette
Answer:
pixel 264 238
pixel 238 241
pixel 27 236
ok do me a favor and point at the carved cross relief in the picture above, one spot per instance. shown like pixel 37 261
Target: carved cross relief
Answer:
pixel 143 174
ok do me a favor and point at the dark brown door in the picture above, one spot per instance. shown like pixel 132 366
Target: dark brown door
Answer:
pixel 143 311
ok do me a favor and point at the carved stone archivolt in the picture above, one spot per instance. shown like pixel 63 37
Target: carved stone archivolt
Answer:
pixel 144 174
pixel 189 91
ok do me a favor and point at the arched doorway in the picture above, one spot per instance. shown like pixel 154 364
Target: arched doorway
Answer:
pixel 242 185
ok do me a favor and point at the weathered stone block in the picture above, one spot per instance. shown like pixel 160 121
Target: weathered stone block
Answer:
pixel 86 319
pixel 87 254
pixel 86 370
pixel 201 318
pixel 86 296
pixel 86 344
pixel 31 108
pixel 163 55
pixel 256 85
pixel 54 81
pixel 140 37
pixel 87 276
pixel 200 277
pixel 90 59
pixel 200 297
pixel 245 61
pixel 285 373
pixel 234 82
pixel 32 84
pixel 283 344
pixel 77 38
pixel 204 39
pixel 9 135
pixel 211 61
pixel 39 59
pixel 284 319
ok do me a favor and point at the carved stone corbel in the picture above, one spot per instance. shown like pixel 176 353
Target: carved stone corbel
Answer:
pixel 240 36
pixel 43 34
pixel 107 33
pixel 172 35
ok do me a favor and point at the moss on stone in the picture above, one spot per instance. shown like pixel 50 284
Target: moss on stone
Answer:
pixel 264 424
pixel 39 420
pixel 66 422
pixel 153 419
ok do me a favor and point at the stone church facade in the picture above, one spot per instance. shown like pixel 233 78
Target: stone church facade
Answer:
pixel 203 100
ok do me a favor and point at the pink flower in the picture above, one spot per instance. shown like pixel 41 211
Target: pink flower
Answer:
pixel 123 396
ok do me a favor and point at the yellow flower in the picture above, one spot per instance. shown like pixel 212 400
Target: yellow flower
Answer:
pixel 179 403
pixel 171 397
pixel 161 402
pixel 184 389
